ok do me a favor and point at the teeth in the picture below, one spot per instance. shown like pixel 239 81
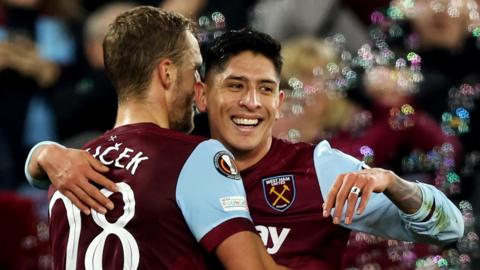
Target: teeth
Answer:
pixel 245 121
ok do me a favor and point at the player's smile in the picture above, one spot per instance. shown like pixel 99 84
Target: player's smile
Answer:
pixel 242 100
pixel 246 123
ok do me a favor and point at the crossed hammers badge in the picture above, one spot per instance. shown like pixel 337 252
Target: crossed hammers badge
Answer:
pixel 279 191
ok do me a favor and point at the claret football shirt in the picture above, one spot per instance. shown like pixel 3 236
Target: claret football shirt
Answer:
pixel 176 191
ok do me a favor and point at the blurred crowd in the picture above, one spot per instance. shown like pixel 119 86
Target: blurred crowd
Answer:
pixel 393 83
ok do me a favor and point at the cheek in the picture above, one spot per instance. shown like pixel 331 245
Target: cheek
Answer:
pixel 272 106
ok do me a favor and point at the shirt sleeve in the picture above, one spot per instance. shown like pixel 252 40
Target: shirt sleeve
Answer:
pixel 38 183
pixel 381 217
pixel 211 195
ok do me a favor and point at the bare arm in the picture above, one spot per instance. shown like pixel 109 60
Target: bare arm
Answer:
pixel 72 172
pixel 404 194
pixel 245 250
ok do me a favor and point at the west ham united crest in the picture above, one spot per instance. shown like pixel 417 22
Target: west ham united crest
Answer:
pixel 279 191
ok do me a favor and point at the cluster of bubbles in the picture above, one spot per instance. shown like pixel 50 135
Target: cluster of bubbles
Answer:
pixel 293 135
pixel 401 9
pixel 432 262
pixel 334 79
pixel 296 97
pixel 440 160
pixel 405 73
pixel 368 154
pixel 211 27
pixel 407 69
pixel 393 254
pixel 399 251
pixel 467 247
pixel 37 245
pixel 360 121
pixel 338 77
pixel 401 118
pixel 472 159
pixel 461 102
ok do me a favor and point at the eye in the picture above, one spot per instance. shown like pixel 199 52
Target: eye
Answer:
pixel 266 89
pixel 235 86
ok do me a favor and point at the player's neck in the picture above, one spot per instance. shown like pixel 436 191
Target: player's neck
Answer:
pixel 135 111
pixel 247 159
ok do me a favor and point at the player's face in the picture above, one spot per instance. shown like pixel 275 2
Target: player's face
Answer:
pixel 243 102
pixel 181 109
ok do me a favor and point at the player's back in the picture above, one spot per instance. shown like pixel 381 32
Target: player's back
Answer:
pixel 146 228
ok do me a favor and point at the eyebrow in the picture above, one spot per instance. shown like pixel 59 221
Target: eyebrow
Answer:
pixel 243 78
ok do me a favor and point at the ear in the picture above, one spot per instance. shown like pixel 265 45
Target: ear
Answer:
pixel 166 71
pixel 281 100
pixel 200 96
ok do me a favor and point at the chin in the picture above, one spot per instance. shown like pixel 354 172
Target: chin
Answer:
pixel 185 126
pixel 242 147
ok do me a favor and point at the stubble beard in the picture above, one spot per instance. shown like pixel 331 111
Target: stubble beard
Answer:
pixel 185 119
pixel 182 113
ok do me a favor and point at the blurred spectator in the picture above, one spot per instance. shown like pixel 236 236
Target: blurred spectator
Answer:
pixel 445 36
pixel 36 44
pixel 190 9
pixel 92 5
pixel 407 127
pixel 285 19
pixel 364 8
pixel 236 12
pixel 438 31
pixel 86 103
pixel 318 108
pixel 381 134
pixel 310 110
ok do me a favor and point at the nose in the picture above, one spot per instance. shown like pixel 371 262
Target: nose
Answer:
pixel 250 99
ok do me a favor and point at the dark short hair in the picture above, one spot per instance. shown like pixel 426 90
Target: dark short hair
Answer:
pixel 135 43
pixel 233 42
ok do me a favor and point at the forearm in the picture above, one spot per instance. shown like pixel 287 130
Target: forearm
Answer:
pixel 406 195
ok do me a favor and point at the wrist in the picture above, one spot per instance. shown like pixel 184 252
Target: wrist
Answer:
pixel 406 195
pixel 41 158
pixel 36 159
pixel 42 154
pixel 394 183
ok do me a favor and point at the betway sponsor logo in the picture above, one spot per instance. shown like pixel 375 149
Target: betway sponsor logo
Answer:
pixel 275 236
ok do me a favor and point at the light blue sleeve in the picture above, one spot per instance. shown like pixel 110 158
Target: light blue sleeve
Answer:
pixel 38 183
pixel 206 196
pixel 381 217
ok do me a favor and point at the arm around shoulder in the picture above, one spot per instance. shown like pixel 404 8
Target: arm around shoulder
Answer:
pixel 34 171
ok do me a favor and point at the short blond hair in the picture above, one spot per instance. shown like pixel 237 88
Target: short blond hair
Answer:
pixel 135 43
pixel 303 54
